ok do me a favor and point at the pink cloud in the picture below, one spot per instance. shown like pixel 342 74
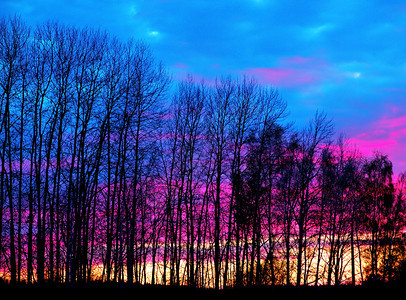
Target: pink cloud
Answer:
pixel 180 65
pixel 273 75
pixel 285 77
pixel 368 143
pixel 387 135
pixel 398 122
pixel 295 60
pixel 292 71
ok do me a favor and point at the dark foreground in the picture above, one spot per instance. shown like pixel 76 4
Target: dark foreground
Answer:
pixel 123 291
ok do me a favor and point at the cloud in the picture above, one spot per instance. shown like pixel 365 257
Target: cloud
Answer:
pixel 386 135
pixel 282 77
pixel 295 60
pixel 396 123
pixel 291 72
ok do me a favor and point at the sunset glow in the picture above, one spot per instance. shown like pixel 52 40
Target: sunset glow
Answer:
pixel 200 144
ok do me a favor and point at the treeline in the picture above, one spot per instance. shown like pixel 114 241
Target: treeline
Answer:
pixel 112 171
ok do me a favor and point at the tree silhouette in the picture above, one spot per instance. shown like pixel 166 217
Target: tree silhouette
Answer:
pixel 113 171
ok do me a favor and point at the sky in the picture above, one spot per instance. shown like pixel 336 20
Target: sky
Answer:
pixel 343 57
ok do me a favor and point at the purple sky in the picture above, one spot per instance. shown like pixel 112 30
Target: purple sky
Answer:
pixel 344 57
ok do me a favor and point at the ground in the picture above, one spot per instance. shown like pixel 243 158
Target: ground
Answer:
pixel 123 291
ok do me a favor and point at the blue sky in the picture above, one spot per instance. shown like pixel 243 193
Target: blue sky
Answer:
pixel 346 58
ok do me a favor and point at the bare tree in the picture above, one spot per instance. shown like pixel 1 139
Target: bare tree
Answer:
pixel 147 84
pixel 319 131
pixel 378 196
pixel 13 38
pixel 219 113
pixel 245 105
